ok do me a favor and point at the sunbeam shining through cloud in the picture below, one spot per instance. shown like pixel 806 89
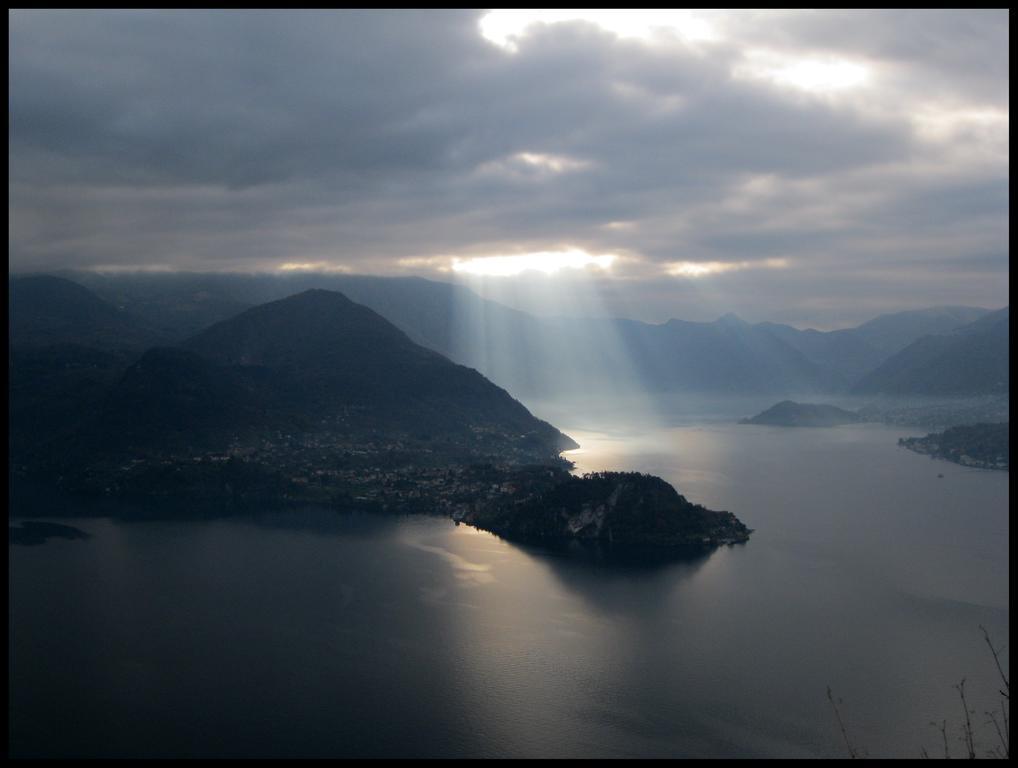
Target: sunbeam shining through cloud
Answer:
pixel 707 268
pixel 548 262
pixel 687 143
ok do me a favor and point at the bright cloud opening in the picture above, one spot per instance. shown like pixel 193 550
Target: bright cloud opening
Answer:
pixel 532 165
pixel 548 262
pixel 815 75
pixel 503 27
pixel 311 266
pixel 696 269
pixel 553 163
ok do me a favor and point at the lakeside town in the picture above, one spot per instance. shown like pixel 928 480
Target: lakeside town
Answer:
pixel 477 478
pixel 981 446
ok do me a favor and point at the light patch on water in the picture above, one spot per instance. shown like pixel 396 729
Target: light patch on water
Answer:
pixel 467 572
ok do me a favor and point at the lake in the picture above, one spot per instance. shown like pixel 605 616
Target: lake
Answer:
pixel 316 634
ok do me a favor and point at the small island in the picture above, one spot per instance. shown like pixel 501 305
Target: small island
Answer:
pixel 791 414
pixel 984 446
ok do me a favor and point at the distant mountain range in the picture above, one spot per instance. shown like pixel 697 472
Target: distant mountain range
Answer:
pixel 918 352
pixel 44 310
pixel 233 391
pixel 850 353
pixel 970 359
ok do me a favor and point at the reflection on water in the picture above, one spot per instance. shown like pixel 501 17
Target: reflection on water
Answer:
pixel 464 570
pixel 314 634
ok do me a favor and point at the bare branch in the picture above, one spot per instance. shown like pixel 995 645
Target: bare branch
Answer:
pixel 966 730
pixel 844 733
pixel 1006 693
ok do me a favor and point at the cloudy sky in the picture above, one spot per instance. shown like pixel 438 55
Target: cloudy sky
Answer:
pixel 813 167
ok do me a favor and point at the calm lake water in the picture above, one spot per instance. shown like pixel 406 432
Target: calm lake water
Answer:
pixel 316 634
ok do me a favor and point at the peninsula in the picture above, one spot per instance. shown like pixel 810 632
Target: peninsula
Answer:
pixel 315 399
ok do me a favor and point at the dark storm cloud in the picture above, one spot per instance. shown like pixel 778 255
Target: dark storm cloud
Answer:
pixel 230 98
pixel 244 140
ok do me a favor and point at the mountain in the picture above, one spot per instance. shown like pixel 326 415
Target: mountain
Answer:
pixel 528 355
pixel 45 310
pixel 325 349
pixel 172 400
pixel 314 369
pixel 851 353
pixel 315 399
pixel 54 389
pixel 182 304
pixel 434 314
pixel 67 347
pixel 843 353
pixel 892 333
pixel 726 356
pixel 970 360
pixel 791 414
pixel 548 357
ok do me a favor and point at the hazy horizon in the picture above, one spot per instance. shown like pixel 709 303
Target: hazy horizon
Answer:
pixel 514 300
